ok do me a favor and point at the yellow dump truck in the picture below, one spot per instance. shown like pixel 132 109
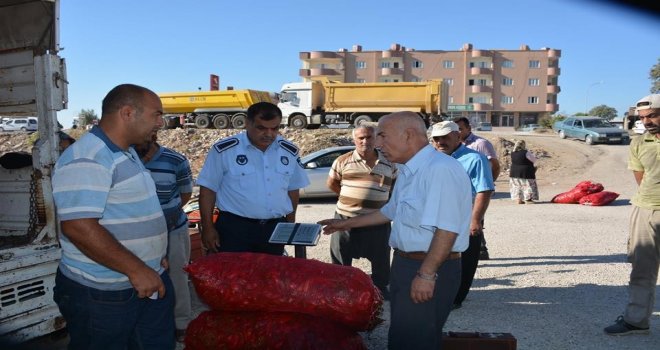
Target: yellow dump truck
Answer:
pixel 221 109
pixel 316 103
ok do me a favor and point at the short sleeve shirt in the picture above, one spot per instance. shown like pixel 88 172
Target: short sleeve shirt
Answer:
pixel 250 182
pixel 96 179
pixel 432 192
pixel 363 189
pixel 645 156
pixel 481 145
pixel 477 168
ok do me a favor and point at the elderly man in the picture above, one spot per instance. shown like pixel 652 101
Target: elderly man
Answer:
pixel 447 140
pixel 253 178
pixel 486 148
pixel 363 180
pixel 644 241
pixel 430 208
pixel 111 284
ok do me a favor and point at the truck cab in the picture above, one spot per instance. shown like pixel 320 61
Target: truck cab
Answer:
pixel 299 102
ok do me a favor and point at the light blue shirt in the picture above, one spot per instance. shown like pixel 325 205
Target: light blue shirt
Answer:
pixel 477 167
pixel 250 182
pixel 432 191
pixel 94 178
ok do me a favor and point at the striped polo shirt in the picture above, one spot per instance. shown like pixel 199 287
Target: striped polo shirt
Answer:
pixel 94 178
pixel 171 173
pixel 363 189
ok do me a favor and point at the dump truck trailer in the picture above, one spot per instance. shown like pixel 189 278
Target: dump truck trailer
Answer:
pixel 220 109
pixel 315 103
pixel 32 82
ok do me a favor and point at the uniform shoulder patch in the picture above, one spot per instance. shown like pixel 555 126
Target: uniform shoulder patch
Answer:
pixel 290 147
pixel 225 144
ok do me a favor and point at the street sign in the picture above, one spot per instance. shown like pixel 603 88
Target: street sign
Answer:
pixel 461 107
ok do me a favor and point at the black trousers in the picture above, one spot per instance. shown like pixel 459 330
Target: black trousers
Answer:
pixel 469 262
pixel 239 234
pixel 371 242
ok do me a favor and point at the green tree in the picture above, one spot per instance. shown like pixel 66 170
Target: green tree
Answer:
pixel 603 111
pixel 87 117
pixel 654 75
pixel 580 114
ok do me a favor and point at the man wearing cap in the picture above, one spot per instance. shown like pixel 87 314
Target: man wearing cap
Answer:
pixel 484 147
pixel 644 241
pixel 446 139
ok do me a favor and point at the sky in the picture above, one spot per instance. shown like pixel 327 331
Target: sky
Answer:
pixel 607 50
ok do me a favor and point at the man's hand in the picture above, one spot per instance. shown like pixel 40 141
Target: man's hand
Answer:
pixel 476 228
pixel 421 290
pixel 209 239
pixel 146 282
pixel 333 225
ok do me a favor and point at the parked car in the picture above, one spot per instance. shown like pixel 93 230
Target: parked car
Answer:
pixel 639 128
pixel 19 124
pixel 484 127
pixel 590 129
pixel 317 166
pixel 530 127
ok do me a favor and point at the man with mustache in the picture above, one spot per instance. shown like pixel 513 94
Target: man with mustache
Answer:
pixel 253 178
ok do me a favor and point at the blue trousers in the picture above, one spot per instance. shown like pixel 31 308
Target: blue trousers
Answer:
pixel 98 319
pixel 419 326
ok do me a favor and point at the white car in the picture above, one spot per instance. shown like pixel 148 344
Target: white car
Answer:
pixel 484 127
pixel 19 124
pixel 317 166
pixel 639 128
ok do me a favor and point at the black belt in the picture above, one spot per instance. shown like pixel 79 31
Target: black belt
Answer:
pixel 256 221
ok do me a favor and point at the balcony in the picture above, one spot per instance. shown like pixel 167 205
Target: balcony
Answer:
pixel 551 107
pixel 553 71
pixel 482 106
pixel 553 89
pixel 481 53
pixel 480 71
pixel 391 71
pixel 315 55
pixel 315 72
pixel 303 55
pixel 552 53
pixel 391 54
pixel 475 89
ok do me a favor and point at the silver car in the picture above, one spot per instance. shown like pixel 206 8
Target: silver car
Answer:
pixel 317 166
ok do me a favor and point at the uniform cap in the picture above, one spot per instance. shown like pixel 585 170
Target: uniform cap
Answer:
pixel 648 102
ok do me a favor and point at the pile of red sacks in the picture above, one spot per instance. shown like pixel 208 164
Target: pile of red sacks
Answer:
pixel 262 301
pixel 586 193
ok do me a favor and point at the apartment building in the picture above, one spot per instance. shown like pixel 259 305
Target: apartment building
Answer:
pixel 503 87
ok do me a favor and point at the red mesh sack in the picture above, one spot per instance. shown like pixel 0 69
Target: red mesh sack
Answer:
pixel 598 199
pixel 262 282
pixel 267 330
pixel 580 190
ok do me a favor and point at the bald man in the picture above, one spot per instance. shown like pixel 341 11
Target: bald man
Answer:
pixel 112 286
pixel 430 212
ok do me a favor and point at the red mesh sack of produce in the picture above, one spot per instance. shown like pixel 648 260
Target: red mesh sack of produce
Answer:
pixel 262 282
pixel 268 330
pixel 580 190
pixel 599 198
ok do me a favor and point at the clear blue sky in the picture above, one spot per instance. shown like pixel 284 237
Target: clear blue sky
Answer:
pixel 173 45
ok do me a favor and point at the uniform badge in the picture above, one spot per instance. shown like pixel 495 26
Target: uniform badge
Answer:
pixel 241 159
pixel 284 160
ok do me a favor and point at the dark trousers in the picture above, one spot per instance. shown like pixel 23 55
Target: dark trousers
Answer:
pixel 419 326
pixel 371 242
pixel 238 234
pixel 469 263
pixel 99 319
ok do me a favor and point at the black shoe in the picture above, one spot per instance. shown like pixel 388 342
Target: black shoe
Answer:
pixel 483 255
pixel 621 327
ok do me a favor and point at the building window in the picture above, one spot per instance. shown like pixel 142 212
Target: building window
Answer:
pixel 360 80
pixel 450 81
pixel 360 64
pixel 533 100
pixel 507 81
pixel 414 80
pixel 534 82
pixel 385 64
pixel 478 99
pixel 480 64
pixel 507 64
pixel 418 64
pixel 479 82
pixel 451 99
pixel 448 64
pixel 507 100
pixel 534 64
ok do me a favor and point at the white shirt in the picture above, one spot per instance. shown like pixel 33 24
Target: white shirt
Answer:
pixel 432 191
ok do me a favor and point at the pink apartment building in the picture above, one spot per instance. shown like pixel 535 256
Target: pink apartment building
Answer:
pixel 503 87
